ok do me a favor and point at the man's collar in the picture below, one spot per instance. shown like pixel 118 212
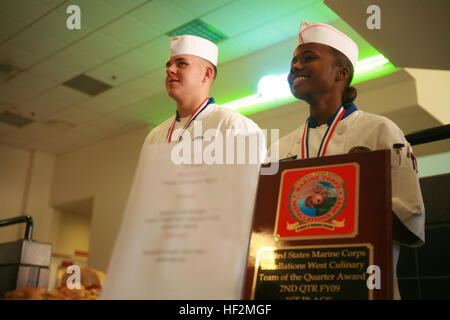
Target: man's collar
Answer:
pixel 349 109
pixel 177 116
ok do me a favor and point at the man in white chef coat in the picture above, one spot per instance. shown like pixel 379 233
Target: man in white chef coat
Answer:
pixel 190 73
pixel 321 72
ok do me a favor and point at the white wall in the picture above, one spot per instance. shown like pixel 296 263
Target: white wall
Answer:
pixel 432 91
pixel 13 172
pixel 38 199
pixel 103 171
pixel 25 183
pixel 73 233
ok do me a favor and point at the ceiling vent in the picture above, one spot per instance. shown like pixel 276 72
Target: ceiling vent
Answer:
pixel 14 119
pixel 88 85
pixel 199 28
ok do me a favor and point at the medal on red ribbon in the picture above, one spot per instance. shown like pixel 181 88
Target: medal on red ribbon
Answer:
pixel 197 111
pixel 326 137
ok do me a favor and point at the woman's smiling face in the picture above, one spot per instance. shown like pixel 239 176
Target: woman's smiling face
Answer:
pixel 313 71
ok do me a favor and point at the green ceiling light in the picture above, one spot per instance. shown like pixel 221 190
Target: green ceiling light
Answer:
pixel 274 87
pixel 270 88
pixel 274 90
pixel 199 28
pixel 243 102
pixel 370 63
pixel 371 68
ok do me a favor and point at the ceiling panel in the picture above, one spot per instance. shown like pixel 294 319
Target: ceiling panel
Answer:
pixel 110 74
pixel 160 108
pixel 162 15
pixel 220 19
pixel 95 106
pixel 8 27
pixel 37 43
pixel 11 141
pixel 271 10
pixel 117 98
pixel 22 12
pixel 34 132
pixel 93 13
pixel 76 59
pixel 230 49
pixel 136 63
pixel 129 31
pixel 51 3
pixel 52 101
pixel 73 115
pixel 135 112
pixel 123 122
pixel 53 71
pixel 260 37
pixel 157 49
pixel 66 95
pixel 13 55
pixel 129 127
pixel 146 85
pixel 198 8
pixel 162 102
pixel 125 5
pixel 82 140
pixel 40 108
pixel 101 46
pixel 62 142
pixel 6 129
pixel 150 109
pixel 105 124
pixel 54 25
pixel 5 106
pixel 290 23
pixel 24 87
pixel 88 130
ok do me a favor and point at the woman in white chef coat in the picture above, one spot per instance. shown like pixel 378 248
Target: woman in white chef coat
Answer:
pixel 321 72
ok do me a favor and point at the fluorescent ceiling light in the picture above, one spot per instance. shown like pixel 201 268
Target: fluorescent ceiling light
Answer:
pixel 370 63
pixel 243 102
pixel 276 87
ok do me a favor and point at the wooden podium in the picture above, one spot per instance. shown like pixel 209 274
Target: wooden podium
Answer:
pixel 322 229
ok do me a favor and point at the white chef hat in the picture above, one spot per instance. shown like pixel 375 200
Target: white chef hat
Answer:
pixel 196 46
pixel 325 34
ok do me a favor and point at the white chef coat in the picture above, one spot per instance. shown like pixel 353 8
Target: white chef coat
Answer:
pixel 362 131
pixel 213 116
